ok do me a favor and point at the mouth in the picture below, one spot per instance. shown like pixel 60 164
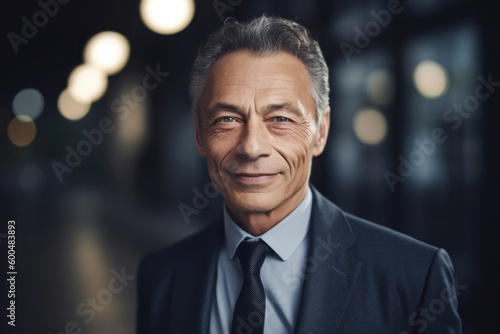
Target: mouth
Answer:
pixel 254 178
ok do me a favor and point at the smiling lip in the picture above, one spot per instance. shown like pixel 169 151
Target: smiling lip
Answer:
pixel 255 178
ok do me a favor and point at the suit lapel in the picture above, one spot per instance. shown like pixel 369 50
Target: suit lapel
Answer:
pixel 194 285
pixel 332 270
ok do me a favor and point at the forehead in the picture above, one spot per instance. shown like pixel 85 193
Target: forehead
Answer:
pixel 244 74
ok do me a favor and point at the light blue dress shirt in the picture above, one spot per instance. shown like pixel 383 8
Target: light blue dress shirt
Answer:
pixel 282 273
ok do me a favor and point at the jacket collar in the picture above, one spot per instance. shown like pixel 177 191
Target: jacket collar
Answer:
pixel 332 269
pixel 194 284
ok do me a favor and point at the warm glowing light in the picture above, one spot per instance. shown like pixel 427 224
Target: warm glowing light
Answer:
pixel 167 17
pixel 380 86
pixel 28 104
pixel 133 128
pixel 21 133
pixel 370 126
pixel 88 259
pixel 431 79
pixel 70 108
pixel 107 50
pixel 87 83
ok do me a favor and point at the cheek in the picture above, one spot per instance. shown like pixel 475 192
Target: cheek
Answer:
pixel 218 158
pixel 296 147
pixel 302 134
pixel 214 163
pixel 215 174
pixel 217 144
pixel 298 159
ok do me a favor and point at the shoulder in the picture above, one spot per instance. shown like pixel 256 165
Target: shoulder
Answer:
pixel 379 246
pixel 379 238
pixel 391 256
pixel 160 263
pixel 395 274
pixel 373 242
pixel 185 247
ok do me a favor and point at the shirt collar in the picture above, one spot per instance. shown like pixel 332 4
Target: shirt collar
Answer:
pixel 283 238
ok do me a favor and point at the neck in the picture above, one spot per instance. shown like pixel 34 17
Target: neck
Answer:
pixel 258 223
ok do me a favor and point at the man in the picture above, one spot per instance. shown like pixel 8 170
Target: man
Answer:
pixel 283 259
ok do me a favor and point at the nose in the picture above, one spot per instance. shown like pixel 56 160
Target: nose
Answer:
pixel 254 141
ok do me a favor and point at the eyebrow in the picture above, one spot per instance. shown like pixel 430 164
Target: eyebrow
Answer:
pixel 286 106
pixel 221 106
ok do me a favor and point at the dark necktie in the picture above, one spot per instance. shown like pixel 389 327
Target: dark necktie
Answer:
pixel 249 312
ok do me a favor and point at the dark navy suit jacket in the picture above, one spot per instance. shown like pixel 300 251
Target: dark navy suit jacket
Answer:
pixel 361 278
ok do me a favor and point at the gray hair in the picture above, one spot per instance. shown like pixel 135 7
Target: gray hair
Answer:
pixel 265 35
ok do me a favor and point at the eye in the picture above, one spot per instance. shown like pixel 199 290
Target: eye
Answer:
pixel 281 119
pixel 225 119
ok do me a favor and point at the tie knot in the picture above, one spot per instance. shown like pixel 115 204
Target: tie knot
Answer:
pixel 252 255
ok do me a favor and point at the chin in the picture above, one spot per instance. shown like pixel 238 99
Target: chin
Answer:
pixel 253 202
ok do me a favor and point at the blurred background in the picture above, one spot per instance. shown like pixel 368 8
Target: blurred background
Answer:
pixel 98 163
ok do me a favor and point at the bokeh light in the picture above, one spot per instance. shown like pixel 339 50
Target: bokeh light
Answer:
pixel 431 79
pixel 28 104
pixel 167 17
pixel 107 50
pixel 370 126
pixel 87 83
pixel 21 133
pixel 133 129
pixel 380 86
pixel 70 108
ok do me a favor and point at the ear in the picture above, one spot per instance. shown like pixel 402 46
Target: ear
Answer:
pixel 199 140
pixel 322 134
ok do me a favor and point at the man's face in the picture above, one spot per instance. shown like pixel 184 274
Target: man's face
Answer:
pixel 258 131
